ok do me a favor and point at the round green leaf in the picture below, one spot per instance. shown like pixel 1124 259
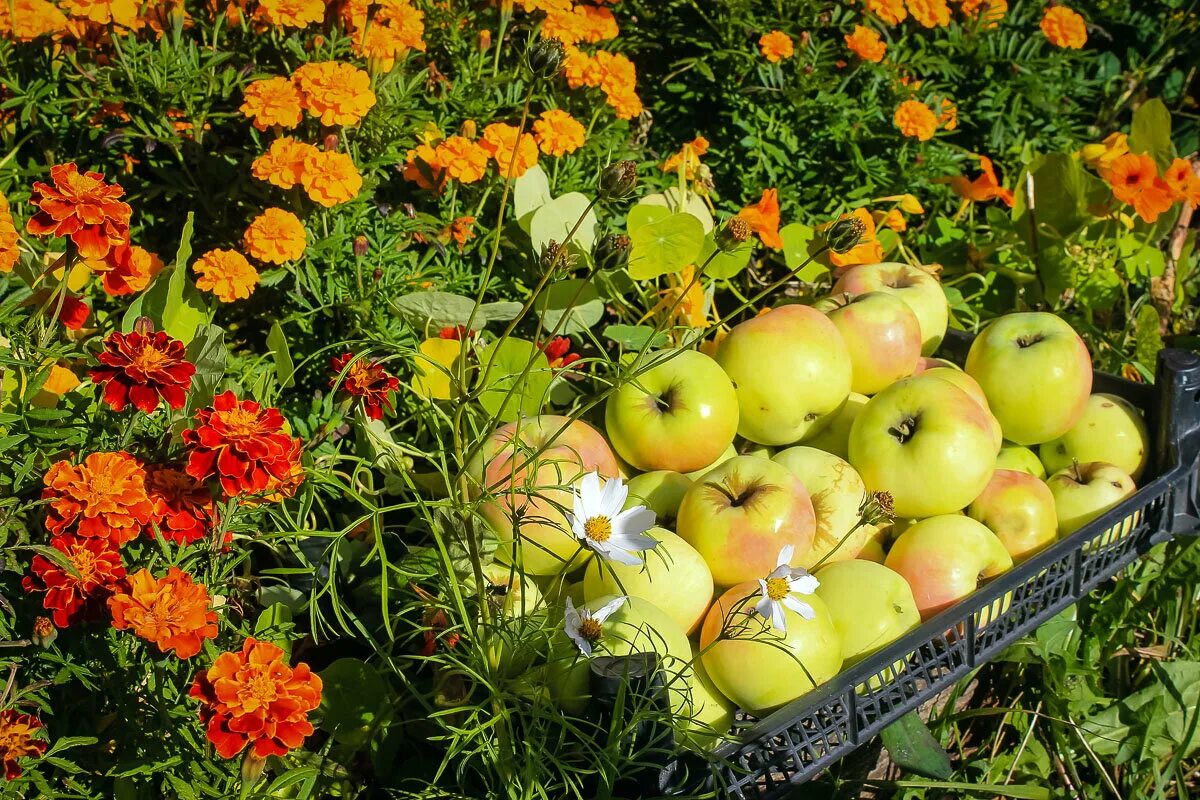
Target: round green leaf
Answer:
pixel 694 205
pixel 554 221
pixel 506 395
pixel 665 246
pixel 577 313
pixel 724 265
pixel 353 695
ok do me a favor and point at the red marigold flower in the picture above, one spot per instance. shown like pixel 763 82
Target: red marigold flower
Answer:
pixel 253 697
pixel 183 506
pixel 71 311
pixel 17 742
pixel 172 612
pixel 366 379
pixel 104 497
pixel 456 332
pixel 83 207
pixel 141 368
pixel 74 598
pixel 241 442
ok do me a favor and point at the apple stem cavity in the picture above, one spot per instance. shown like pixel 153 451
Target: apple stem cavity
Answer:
pixel 905 430
pixel 1029 340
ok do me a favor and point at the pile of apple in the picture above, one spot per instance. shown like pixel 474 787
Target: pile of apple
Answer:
pixel 776 440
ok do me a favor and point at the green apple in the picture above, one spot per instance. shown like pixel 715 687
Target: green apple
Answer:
pixel 1036 373
pixel 1020 458
pixel 871 605
pixel 680 414
pixel 1019 509
pixel 969 385
pixel 943 559
pixel 1082 492
pixel 753 449
pixel 928 443
pixel 837 492
pixel 791 371
pixel 697 474
pixel 673 576
pixel 1111 430
pixel 913 285
pixel 519 635
pixel 883 337
pixel 836 436
pixel 661 491
pixel 740 515
pixel 712 713
pixel 522 476
pixel 758 667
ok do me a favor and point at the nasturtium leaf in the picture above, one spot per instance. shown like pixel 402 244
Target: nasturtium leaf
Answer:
pixel 724 265
pixel 1140 259
pixel 694 205
pixel 570 306
pixel 1060 191
pixel 635 337
pixel 435 368
pixel 353 695
pixel 913 747
pixel 799 242
pixel 531 191
pixel 644 214
pixel 434 310
pixel 555 220
pixel 500 311
pixel 1150 132
pixel 505 393
pixel 285 369
pixel 665 246
pixel 207 351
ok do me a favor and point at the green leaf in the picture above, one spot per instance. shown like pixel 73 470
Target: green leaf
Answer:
pixel 556 219
pixel 1141 260
pixel 531 191
pixel 635 337
pixel 1060 199
pixel 724 265
pixel 644 214
pixel 1148 341
pixel 1151 132
pixel 506 395
pixel 665 246
pixel 799 243
pixel 913 747
pixel 694 205
pixel 575 303
pixel 1153 722
pixel 353 698
pixel 274 624
pixel 1018 791
pixel 172 301
pixel 207 351
pixel 501 311
pixel 285 369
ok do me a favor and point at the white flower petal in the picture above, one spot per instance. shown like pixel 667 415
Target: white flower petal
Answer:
pixel 638 519
pixel 763 607
pixel 780 572
pixel 613 497
pixel 605 611
pixel 803 584
pixel 636 542
pixel 778 619
pixel 785 556
pixel 801 608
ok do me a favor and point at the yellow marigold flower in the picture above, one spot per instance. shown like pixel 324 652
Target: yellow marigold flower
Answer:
pixel 272 101
pixel 948 115
pixel 866 44
pixel 227 274
pixel 9 251
pixel 26 20
pixel 464 160
pixel 102 12
pixel 395 28
pixel 340 94
pixel 930 13
pixel 775 46
pixel 989 11
pixel 597 24
pixel 915 119
pixel 558 133
pixel 579 68
pixel 423 168
pixel 283 163
pixel 891 12
pixel 292 13
pixel 545 5
pixel 275 237
pixel 1100 156
pixel 515 152
pixel 330 178
pixel 1064 28
pixel 565 26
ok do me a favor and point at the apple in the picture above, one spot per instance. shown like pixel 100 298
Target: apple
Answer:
pixel 969 385
pixel 926 363
pixel 523 475
pixel 837 492
pixel 944 558
pixel 661 491
pixel 871 605
pixel 1036 373
pixel 697 474
pixel 680 414
pixel 836 436
pixel 740 515
pixel 712 713
pixel 883 336
pixel 673 576
pixel 1020 458
pixel 758 667
pixel 1082 492
pixel 928 443
pixel 1111 430
pixel 1019 509
pixel 913 285
pixel 875 548
pixel 791 371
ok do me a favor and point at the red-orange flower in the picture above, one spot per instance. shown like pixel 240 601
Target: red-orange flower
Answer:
pixel 127 269
pixel 1183 181
pixel 172 612
pixel 763 218
pixel 80 206
pixel 183 506
pixel 252 697
pixel 558 353
pixel 104 497
pixel 1134 180
pixel 143 369
pixel 17 741
pixel 242 443
pixel 365 379
pixel 985 187
pixel 78 596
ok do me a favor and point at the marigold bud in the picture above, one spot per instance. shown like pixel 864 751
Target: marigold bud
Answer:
pixel 733 233
pixel 612 251
pixel 618 180
pixel 44 632
pixel 485 40
pixel 332 142
pixel 144 326
pixel 845 234
pixel 544 58
pixel 361 246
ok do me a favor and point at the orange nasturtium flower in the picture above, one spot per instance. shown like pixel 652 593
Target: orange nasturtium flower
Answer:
pixel 83 207
pixel 143 369
pixel 513 151
pixel 892 12
pixel 866 44
pixel 283 163
pixel 292 13
pixel 365 379
pixel 272 101
pixel 989 11
pixel 1064 28
pixel 104 497
pixel 687 160
pixel 77 594
pixel 9 249
pixel 337 93
pixel 776 46
pixel 464 160
pixel 183 506
pixel 252 697
pixel 275 237
pixel 1102 154
pixel 242 443
pixel 763 218
pixel 17 741
pixel 985 187
pixel 930 13
pixel 682 301
pixel 558 133
pixel 1134 180
pixel 330 178
pixel 171 612
pixel 1183 181
pixel 867 251
pixel 458 231
pixel 916 120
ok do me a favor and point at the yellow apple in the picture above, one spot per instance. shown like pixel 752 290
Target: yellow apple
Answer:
pixel 1019 509
pixel 837 493
pixel 1020 458
pixel 883 337
pixel 871 605
pixel 1111 430
pixel 836 436
pixel 922 291
pixel 1082 492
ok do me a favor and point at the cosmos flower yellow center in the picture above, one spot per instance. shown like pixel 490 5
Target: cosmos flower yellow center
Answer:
pixel 598 528
pixel 590 629
pixel 777 588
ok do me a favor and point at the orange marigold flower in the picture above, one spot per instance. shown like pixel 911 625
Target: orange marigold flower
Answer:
pixel 183 506
pixel 688 158
pixel 1183 181
pixel 1134 180
pixel 252 697
pixel 283 163
pixel 79 595
pixel 891 12
pixel 558 133
pixel 463 159
pixel 365 379
pixel 9 247
pixel 330 177
pixel 17 741
pixel 930 13
pixel 242 443
pixel 867 251
pixel 579 68
pixel 1064 28
pixel 625 105
pixel 776 46
pixel 27 20
pixel 989 11
pixel 615 75
pixel 763 218
pixel 514 152
pixel 143 369
pixel 459 231
pixel 985 187
pixel 104 497
pixel 292 13
pixel 563 25
pixel 866 44
pixel 424 168
pixel 338 93
pixel 60 381
pixel 102 12
pixel 272 101
pixel 948 115
pixel 227 274
pixel 83 207
pixel 275 237
pixel 916 120
pixel 171 612
pixel 127 269
pixel 597 24
pixel 395 27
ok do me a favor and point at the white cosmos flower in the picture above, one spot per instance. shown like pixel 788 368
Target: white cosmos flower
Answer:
pixel 586 627
pixel 781 589
pixel 599 521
